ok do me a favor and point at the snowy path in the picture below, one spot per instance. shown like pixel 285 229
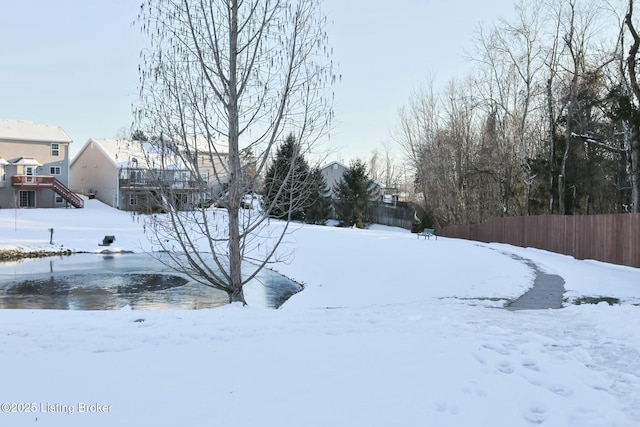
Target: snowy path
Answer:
pixel 547 290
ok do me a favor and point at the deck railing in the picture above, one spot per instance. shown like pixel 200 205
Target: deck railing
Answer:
pixel 44 181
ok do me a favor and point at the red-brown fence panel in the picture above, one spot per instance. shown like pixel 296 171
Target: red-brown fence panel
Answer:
pixel 608 238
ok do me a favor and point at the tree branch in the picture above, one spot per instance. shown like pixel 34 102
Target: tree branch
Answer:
pixel 603 145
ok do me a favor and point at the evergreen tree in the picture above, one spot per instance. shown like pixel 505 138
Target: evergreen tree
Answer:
pixel 286 182
pixel 355 193
pixel 319 208
pixel 139 135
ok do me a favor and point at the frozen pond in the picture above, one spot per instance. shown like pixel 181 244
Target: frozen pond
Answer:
pixel 112 281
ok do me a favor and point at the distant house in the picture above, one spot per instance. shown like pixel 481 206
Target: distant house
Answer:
pixel 332 174
pixel 210 162
pixel 139 176
pixel 34 166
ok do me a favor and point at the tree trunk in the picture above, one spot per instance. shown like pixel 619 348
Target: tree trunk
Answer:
pixel 235 172
pixel 562 178
pixel 552 143
pixel 634 172
pixel 634 143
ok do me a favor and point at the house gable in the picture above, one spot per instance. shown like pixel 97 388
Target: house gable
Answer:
pixel 332 174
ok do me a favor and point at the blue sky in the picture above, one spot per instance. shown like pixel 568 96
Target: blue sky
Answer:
pixel 74 63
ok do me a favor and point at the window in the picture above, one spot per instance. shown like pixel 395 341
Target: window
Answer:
pixel 59 199
pixel 133 199
pixel 55 149
pixel 29 172
pixel 55 170
pixel 135 175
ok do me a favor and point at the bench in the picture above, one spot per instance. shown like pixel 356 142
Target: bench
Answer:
pixel 427 233
pixel 107 240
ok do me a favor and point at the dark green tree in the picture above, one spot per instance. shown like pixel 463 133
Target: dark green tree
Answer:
pixel 319 207
pixel 286 182
pixel 355 194
pixel 139 135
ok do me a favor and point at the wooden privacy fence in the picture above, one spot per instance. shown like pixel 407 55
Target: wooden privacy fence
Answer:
pixel 398 215
pixel 609 238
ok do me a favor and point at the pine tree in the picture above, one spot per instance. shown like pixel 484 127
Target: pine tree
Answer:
pixel 355 193
pixel 291 169
pixel 319 208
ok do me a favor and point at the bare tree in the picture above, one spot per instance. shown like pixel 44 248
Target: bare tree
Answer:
pixel 632 128
pixel 375 172
pixel 416 133
pixel 244 72
pixel 383 167
pixel 578 23
pixel 551 63
pixel 392 172
pixel 438 139
pixel 625 97
pixel 510 57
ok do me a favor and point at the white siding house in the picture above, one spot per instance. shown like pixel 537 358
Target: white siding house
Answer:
pixel 137 175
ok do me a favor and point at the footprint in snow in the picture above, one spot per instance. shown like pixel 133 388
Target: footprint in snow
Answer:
pixel 535 414
pixel 497 348
pixel 505 367
pixel 447 408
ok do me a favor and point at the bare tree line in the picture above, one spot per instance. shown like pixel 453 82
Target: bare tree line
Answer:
pixel 546 122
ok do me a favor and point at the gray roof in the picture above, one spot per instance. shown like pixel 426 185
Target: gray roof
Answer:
pixel 20 130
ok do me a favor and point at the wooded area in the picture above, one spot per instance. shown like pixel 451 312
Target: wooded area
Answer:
pixel 548 121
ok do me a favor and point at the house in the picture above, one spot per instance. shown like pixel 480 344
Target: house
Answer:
pixel 34 166
pixel 142 176
pixel 210 162
pixel 332 174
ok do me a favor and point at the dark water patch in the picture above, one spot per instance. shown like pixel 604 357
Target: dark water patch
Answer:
pixel 596 300
pixel 136 283
pixel 279 289
pixel 38 287
pixel 114 283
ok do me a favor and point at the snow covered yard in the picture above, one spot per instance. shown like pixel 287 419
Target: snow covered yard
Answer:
pixel 390 330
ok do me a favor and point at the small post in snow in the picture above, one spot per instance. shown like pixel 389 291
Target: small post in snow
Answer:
pixel 51 237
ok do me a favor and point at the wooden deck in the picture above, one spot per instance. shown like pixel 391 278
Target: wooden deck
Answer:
pixel 43 181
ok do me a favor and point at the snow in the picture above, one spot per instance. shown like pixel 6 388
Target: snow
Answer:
pixel 390 330
pixel 22 130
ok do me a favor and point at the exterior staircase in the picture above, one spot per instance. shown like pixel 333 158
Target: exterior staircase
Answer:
pixel 68 195
pixel 40 181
